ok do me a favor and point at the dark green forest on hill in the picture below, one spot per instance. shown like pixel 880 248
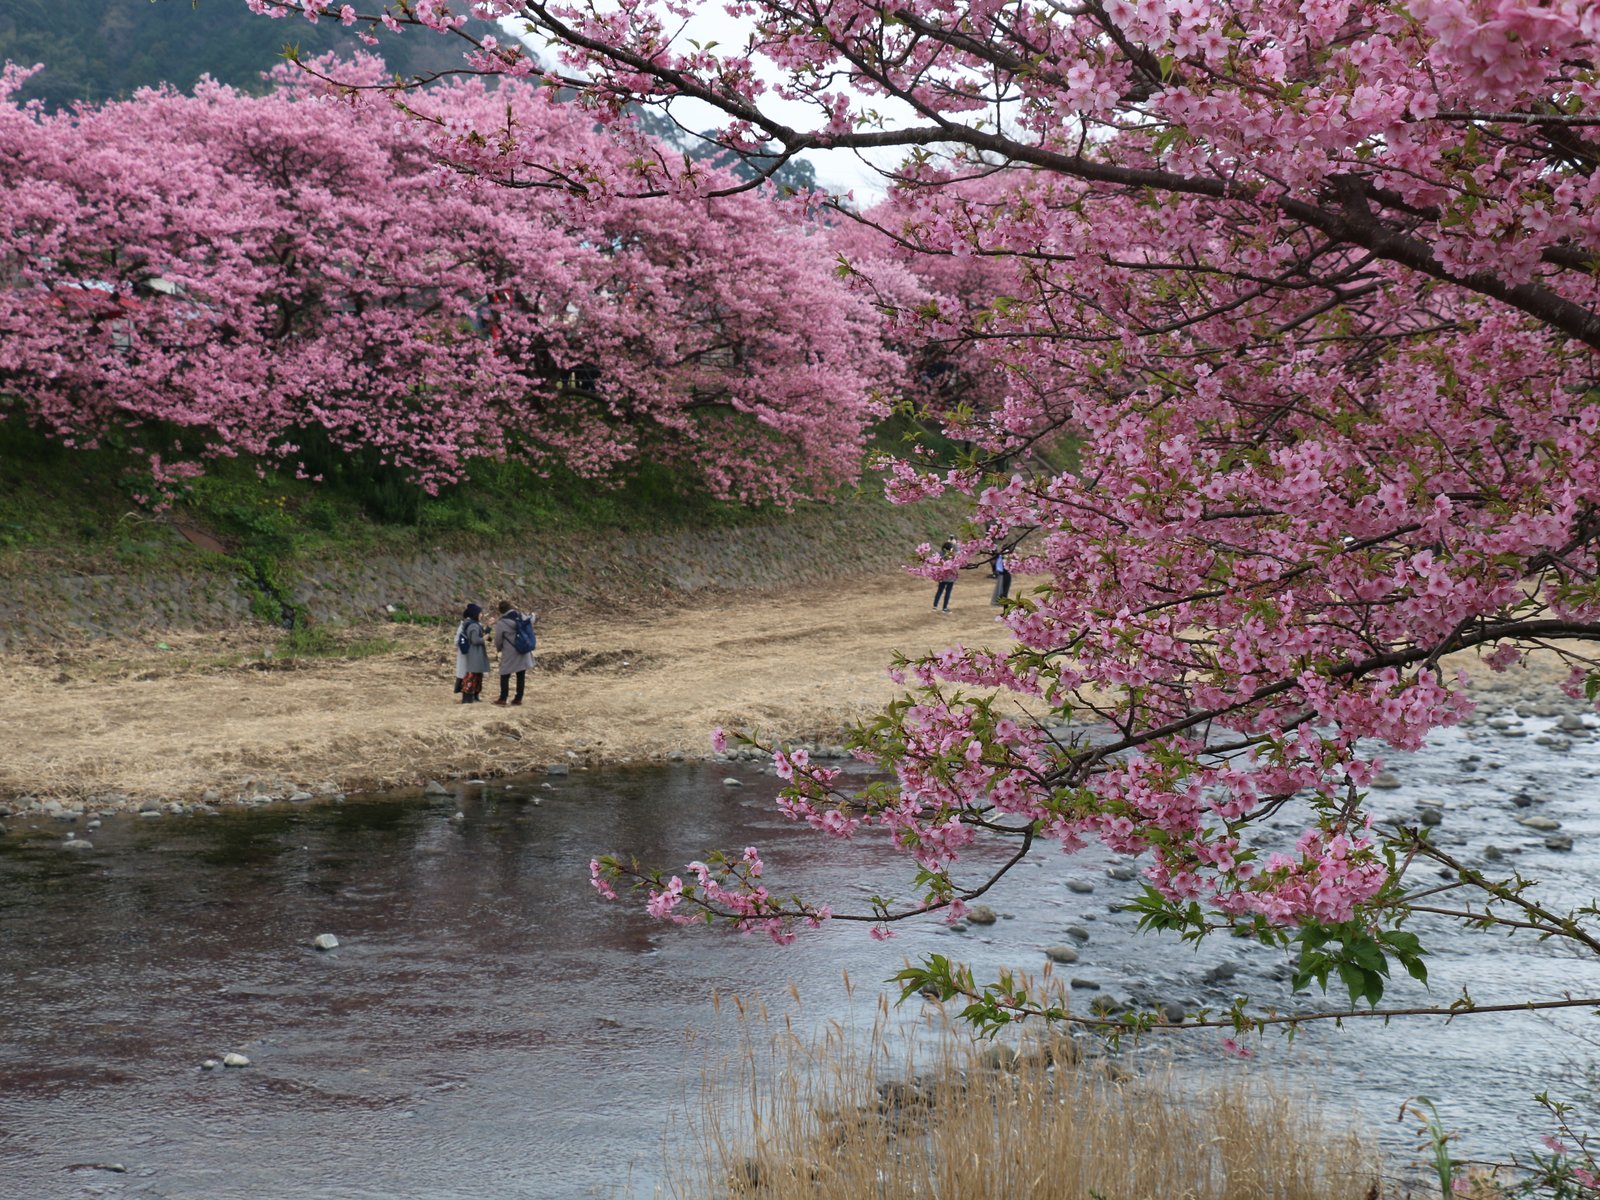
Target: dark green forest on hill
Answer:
pixel 106 49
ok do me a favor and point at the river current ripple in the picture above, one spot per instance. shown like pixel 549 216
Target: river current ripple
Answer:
pixel 489 1029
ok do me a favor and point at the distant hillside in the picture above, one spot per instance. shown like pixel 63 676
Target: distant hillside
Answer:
pixel 106 49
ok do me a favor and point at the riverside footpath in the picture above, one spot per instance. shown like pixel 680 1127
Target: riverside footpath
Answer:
pixel 167 720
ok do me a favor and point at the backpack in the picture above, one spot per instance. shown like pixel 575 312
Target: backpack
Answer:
pixel 462 642
pixel 524 640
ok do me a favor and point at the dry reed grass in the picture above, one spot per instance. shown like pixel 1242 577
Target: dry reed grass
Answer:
pixel 881 1115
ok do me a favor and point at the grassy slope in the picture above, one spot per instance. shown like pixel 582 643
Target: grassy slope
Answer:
pixel 79 504
pixel 72 513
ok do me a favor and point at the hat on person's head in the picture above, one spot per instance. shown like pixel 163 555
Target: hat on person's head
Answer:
pixel 472 612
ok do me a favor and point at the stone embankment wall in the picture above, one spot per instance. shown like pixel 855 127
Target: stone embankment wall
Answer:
pixel 51 597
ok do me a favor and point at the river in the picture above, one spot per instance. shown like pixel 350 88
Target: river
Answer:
pixel 489 1029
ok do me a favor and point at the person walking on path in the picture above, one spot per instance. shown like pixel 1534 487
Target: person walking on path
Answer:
pixel 1002 577
pixel 470 644
pixel 513 641
pixel 946 578
pixel 461 653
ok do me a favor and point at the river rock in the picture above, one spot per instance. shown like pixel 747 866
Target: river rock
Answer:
pixel 1385 781
pixel 210 796
pixel 1081 886
pixel 1572 723
pixel 998 1057
pixel 149 806
pixel 1558 841
pixel 558 769
pixel 300 797
pixel 94 824
pixel 1174 1013
pixel 1077 933
pixel 1521 800
pixel 982 914
pixel 1493 854
pixel 1538 823
pixel 210 1064
pixel 1222 972
pixel 235 1060
pixel 151 814
pixel 730 781
pixel 1084 985
pixel 1430 816
pixel 1061 954
pixel 325 941
pixel 434 788
pixel 1122 873
pixel 77 844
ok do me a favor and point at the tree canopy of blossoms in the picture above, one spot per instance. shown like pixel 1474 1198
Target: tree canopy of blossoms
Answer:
pixel 1310 288
pixel 224 273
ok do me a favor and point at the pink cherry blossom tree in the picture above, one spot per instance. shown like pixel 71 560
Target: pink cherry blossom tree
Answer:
pixel 223 273
pixel 1309 291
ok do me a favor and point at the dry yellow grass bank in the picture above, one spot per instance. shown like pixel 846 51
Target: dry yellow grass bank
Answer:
pixel 81 719
pixel 84 719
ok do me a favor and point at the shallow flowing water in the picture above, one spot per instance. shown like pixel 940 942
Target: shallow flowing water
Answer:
pixel 489 1029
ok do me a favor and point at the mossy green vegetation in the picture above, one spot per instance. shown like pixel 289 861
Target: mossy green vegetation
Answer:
pixel 82 504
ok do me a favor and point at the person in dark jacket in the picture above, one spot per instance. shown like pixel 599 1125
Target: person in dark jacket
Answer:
pixel 477 655
pixel 512 661
pixel 1002 578
pixel 946 578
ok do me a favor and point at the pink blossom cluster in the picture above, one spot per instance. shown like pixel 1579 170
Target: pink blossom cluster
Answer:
pixel 724 886
pixel 230 274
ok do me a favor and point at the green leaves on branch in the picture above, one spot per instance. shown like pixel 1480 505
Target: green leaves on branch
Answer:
pixel 1355 954
pixel 1358 956
pixel 990 1007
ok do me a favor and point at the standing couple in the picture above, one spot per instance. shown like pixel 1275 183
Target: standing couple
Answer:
pixel 514 641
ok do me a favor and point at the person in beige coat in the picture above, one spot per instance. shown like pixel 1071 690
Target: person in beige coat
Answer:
pixel 513 661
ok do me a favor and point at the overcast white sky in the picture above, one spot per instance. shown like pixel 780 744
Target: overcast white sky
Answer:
pixel 837 170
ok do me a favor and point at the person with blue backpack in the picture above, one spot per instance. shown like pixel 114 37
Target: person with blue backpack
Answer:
pixel 515 641
pixel 472 656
